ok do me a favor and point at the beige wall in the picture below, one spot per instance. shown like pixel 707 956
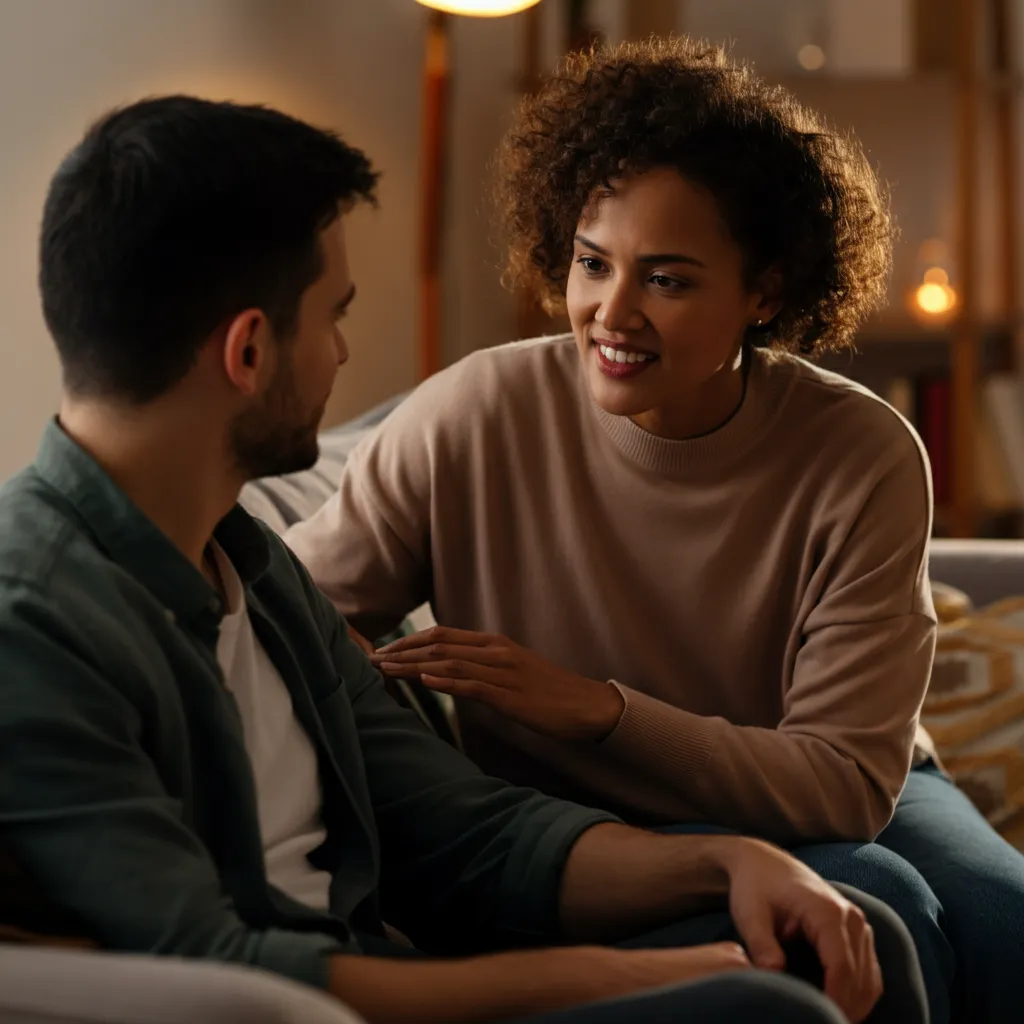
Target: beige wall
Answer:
pixel 350 64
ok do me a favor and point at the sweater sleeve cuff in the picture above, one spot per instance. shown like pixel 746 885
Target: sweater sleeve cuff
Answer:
pixel 650 731
pixel 532 879
pixel 302 957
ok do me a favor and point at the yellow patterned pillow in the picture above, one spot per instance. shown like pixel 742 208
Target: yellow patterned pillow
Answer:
pixel 974 711
pixel 950 604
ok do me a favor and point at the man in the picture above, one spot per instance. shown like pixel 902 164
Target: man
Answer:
pixel 196 758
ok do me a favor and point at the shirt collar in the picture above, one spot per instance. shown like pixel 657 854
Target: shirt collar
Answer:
pixel 134 541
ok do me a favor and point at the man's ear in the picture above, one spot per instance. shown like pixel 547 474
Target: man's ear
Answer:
pixel 769 291
pixel 247 351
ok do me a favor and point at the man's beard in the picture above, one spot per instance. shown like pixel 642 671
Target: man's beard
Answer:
pixel 278 436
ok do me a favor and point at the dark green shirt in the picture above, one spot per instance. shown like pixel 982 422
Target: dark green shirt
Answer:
pixel 125 787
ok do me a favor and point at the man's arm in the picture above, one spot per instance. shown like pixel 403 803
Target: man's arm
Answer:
pixel 465 856
pixel 620 881
pixel 85 812
pixel 506 986
pixel 467 861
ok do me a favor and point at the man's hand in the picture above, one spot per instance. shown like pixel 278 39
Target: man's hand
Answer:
pixel 620 881
pixel 513 680
pixel 774 898
pixel 513 985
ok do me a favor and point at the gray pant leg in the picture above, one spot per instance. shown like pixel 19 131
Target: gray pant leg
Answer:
pixel 747 996
pixel 905 1000
pixel 49 986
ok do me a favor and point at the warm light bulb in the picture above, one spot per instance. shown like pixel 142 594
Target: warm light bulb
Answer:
pixel 479 8
pixel 934 297
pixel 811 57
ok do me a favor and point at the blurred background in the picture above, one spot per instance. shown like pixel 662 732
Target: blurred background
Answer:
pixel 930 86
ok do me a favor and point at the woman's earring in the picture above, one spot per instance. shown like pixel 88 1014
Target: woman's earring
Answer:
pixel 758 322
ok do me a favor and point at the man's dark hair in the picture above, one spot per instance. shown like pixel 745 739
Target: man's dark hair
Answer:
pixel 171 216
pixel 794 193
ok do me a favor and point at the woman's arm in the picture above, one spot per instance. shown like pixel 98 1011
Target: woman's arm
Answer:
pixel 836 763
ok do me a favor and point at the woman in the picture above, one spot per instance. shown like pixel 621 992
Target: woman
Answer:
pixel 681 571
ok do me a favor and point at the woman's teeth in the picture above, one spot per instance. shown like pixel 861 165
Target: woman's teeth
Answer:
pixel 618 355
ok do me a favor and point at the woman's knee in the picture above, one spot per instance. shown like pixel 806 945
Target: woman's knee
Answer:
pixel 879 872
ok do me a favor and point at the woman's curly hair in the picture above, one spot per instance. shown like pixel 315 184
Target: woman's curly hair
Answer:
pixel 794 194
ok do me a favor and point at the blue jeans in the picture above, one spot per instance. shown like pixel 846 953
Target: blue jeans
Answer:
pixel 959 888
pixel 978 879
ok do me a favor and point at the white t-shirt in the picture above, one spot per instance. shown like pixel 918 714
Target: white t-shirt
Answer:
pixel 283 758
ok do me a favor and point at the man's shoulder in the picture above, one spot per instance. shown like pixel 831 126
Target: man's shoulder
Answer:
pixel 40 536
pixel 70 633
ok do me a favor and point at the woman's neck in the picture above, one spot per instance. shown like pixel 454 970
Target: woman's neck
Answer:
pixel 703 412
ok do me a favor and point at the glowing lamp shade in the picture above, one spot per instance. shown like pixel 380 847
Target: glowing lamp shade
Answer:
pixel 479 8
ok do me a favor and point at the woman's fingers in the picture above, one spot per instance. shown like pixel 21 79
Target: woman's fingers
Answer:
pixel 474 689
pixel 495 657
pixel 448 668
pixel 438 635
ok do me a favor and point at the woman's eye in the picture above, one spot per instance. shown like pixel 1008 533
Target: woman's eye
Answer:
pixel 668 283
pixel 590 264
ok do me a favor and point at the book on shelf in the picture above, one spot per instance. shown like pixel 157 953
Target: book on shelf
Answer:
pixel 925 402
pixel 932 418
pixel 996 489
pixel 1003 407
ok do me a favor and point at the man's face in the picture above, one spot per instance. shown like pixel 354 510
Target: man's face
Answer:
pixel 279 434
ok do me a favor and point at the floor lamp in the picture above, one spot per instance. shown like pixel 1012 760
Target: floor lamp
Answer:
pixel 436 71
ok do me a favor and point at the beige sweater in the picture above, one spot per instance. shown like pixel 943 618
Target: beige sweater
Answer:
pixel 759 593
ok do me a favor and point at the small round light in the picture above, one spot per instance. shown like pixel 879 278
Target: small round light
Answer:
pixel 934 298
pixel 811 57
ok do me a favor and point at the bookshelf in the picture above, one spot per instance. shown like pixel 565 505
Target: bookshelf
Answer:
pixel 963 73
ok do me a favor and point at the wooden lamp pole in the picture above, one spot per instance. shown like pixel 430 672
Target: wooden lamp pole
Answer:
pixel 435 109
pixel 436 76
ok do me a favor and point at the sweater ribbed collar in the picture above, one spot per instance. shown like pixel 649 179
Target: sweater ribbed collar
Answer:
pixel 762 399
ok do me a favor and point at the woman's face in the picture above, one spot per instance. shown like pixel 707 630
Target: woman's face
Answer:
pixel 658 304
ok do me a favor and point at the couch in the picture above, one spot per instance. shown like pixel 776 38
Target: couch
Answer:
pixel 72 987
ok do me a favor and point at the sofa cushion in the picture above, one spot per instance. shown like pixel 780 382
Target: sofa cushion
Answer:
pixel 974 711
pixel 950 603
